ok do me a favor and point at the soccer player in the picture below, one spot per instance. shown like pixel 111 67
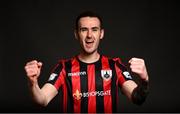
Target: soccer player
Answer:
pixel 89 80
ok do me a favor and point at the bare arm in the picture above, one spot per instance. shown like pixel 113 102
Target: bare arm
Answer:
pixel 42 95
pixel 137 93
pixel 128 87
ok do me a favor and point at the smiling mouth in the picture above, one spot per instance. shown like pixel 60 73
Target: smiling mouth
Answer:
pixel 89 43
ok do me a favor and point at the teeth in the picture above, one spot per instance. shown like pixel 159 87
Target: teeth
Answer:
pixel 89 42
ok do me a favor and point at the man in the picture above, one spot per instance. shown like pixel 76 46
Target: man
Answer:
pixel 89 80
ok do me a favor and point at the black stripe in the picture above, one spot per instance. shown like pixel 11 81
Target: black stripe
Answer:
pixel 99 87
pixel 123 68
pixel 57 71
pixel 113 86
pixel 84 87
pixel 68 67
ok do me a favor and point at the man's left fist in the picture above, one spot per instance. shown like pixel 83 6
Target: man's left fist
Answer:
pixel 138 66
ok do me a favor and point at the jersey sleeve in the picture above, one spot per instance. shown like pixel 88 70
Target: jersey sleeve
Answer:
pixel 122 72
pixel 56 77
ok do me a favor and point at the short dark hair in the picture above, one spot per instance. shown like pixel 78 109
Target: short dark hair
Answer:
pixel 88 14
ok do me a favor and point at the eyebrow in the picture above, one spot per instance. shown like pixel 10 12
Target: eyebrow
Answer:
pixel 91 28
pixel 95 27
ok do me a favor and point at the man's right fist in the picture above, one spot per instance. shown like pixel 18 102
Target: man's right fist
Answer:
pixel 33 69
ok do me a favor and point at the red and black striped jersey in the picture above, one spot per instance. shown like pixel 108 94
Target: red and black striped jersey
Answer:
pixel 89 87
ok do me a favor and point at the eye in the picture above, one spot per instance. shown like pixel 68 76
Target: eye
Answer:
pixel 95 29
pixel 83 29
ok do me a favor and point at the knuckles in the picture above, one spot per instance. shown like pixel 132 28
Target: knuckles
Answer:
pixel 137 65
pixel 31 68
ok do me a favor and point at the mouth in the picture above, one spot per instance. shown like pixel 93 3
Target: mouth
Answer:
pixel 89 43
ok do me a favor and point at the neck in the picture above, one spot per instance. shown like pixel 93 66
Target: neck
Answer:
pixel 89 58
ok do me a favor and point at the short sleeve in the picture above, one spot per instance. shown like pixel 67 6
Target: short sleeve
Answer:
pixel 56 77
pixel 122 72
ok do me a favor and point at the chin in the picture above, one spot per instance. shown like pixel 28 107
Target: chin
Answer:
pixel 89 52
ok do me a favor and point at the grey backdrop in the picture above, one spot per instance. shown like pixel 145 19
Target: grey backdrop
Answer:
pixel 43 30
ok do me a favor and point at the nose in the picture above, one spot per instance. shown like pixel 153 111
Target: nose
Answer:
pixel 89 34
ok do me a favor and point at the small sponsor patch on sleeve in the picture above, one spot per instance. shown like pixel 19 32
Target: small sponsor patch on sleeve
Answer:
pixel 52 76
pixel 127 75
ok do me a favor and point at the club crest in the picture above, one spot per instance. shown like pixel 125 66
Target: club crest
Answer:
pixel 106 74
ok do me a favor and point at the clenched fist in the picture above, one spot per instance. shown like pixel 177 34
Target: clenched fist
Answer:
pixel 33 69
pixel 138 66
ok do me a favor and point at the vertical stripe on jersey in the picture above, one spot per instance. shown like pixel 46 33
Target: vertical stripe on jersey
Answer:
pixel 76 89
pixel 91 88
pixel 64 88
pixel 107 87
pixel 114 86
pixel 65 97
pixel 56 74
pixel 84 87
pixel 69 99
pixel 120 77
pixel 99 88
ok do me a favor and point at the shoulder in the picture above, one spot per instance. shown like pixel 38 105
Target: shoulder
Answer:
pixel 115 59
pixel 68 62
pixel 63 60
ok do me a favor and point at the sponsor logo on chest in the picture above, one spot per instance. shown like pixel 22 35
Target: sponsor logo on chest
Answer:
pixel 83 73
pixel 78 95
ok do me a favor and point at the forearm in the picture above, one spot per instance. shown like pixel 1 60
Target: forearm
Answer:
pixel 37 94
pixel 140 93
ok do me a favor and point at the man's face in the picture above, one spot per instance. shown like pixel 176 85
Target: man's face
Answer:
pixel 89 34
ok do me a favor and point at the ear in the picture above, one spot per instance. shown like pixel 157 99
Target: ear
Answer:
pixel 102 34
pixel 76 34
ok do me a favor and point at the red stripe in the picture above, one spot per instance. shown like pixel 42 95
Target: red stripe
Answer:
pixel 117 95
pixel 76 89
pixel 65 96
pixel 60 82
pixel 91 88
pixel 117 83
pixel 107 87
pixel 121 79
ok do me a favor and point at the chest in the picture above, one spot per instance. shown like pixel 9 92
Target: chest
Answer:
pixel 91 77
